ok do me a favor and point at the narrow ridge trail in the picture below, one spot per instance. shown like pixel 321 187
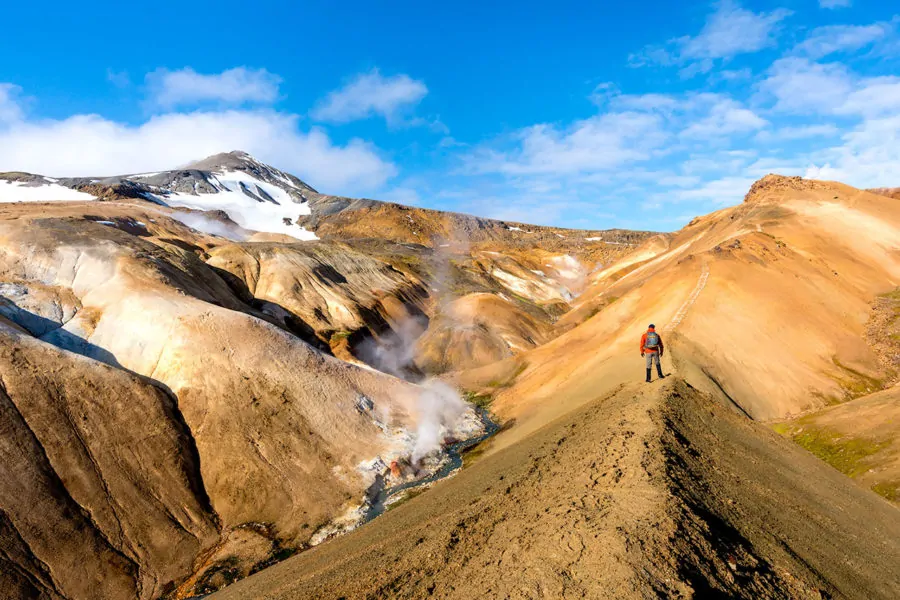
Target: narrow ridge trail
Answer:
pixel 651 491
pixel 683 310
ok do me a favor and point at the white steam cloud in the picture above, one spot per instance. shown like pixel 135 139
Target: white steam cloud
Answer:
pixel 202 223
pixel 440 411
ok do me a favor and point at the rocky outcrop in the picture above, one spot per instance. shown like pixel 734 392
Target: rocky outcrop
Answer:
pixel 773 186
pixel 889 192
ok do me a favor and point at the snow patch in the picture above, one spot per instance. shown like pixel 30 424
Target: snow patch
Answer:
pixel 18 191
pixel 272 211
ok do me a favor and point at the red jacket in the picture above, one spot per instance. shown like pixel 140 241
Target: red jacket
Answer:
pixel 651 350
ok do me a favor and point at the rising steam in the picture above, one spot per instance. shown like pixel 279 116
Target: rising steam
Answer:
pixel 202 223
pixel 440 409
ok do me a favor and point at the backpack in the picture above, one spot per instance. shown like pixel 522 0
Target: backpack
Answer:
pixel 652 340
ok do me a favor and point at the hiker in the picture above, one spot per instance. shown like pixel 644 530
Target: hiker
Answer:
pixel 652 349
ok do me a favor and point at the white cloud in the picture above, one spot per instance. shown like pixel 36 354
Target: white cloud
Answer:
pixel 186 87
pixel 733 30
pixel 823 41
pixel 800 85
pixel 873 96
pixel 729 31
pixel 799 132
pixel 726 117
pixel 370 94
pixel 832 4
pixel 636 129
pixel 720 192
pixel 595 144
pixel 733 75
pixel 868 157
pixel 660 102
pixel 83 145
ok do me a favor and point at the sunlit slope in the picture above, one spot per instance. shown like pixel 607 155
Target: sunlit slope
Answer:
pixel 102 495
pixel 769 300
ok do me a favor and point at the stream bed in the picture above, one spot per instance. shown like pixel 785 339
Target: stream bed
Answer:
pixel 379 497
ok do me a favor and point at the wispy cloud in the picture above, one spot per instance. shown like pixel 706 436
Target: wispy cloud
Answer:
pixel 801 86
pixel 799 132
pixel 729 31
pixel 832 4
pixel 823 41
pixel 170 89
pixel 10 109
pixel 371 94
pixel 726 117
pixel 120 79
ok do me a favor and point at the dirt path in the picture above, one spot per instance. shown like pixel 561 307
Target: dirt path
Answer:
pixel 653 490
pixel 683 311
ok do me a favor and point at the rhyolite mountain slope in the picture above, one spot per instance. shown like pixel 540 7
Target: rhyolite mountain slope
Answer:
pixel 180 367
pixel 604 486
pixel 534 269
pixel 188 393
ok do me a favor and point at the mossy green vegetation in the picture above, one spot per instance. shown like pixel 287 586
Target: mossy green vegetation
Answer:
pixel 856 383
pixel 849 455
pixel 889 490
pixel 473 454
pixel 407 496
pixel 479 400
pixel 600 306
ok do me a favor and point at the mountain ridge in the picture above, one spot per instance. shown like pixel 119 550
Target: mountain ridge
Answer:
pixel 308 211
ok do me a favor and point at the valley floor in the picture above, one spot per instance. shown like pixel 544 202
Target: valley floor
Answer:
pixel 653 490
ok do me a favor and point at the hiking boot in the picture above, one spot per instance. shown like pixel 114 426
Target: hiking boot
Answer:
pixel 648 375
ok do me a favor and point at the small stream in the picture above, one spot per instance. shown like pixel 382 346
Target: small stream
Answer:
pixel 379 496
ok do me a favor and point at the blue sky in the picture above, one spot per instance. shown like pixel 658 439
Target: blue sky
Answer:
pixel 580 114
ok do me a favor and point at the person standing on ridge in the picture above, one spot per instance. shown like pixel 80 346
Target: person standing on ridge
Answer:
pixel 652 350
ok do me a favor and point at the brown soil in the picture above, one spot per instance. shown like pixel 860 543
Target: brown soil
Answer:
pixel 651 491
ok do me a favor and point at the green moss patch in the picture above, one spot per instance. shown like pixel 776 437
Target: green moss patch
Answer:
pixel 479 400
pixel 890 490
pixel 848 455
pixel 856 383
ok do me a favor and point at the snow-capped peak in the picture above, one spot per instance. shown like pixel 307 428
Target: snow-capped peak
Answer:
pixel 253 194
